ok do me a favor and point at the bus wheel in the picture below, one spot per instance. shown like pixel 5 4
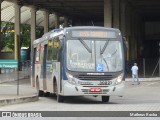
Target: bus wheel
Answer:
pixel 47 94
pixel 105 98
pixel 59 97
pixel 40 92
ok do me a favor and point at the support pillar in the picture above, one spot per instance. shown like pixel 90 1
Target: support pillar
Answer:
pixel 116 15
pixel 0 27
pixel 65 21
pixel 107 13
pixel 33 26
pixel 17 30
pixel 128 29
pixel 123 17
pixel 159 59
pixel 46 21
pixel 56 21
pixel 132 43
pixel 0 32
pixel 137 41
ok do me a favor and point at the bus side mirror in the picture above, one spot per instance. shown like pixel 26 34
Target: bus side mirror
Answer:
pixel 125 42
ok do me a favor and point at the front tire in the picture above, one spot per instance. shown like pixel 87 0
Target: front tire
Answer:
pixel 40 92
pixel 59 97
pixel 105 98
pixel 47 94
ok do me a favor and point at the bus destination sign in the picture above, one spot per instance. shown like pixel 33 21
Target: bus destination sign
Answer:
pixel 94 34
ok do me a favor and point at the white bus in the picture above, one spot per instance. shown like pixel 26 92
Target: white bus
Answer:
pixel 79 61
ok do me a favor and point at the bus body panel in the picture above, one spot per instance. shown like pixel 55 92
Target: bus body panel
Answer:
pixel 37 76
pixel 49 77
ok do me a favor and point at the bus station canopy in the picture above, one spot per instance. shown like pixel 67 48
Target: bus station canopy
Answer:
pixel 8 14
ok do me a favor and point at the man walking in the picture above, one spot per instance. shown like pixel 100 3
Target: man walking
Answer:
pixel 135 73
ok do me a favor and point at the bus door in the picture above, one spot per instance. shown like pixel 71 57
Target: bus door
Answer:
pixel 43 65
pixel 33 68
pixel 49 66
pixel 58 58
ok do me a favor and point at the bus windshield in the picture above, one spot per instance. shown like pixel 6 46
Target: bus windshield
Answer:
pixel 94 55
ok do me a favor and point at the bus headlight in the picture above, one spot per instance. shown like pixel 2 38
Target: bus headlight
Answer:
pixel 71 79
pixel 119 79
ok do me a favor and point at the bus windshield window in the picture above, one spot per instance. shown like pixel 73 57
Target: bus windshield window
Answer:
pixel 106 55
pixel 109 58
pixel 78 57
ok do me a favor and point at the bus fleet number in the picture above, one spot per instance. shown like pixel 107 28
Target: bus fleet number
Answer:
pixel 105 83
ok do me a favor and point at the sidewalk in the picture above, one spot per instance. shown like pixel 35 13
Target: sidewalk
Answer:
pixel 6 77
pixel 145 79
pixel 8 89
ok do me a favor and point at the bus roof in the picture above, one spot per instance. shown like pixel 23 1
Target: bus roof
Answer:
pixel 91 27
pixel 47 35
pixel 56 32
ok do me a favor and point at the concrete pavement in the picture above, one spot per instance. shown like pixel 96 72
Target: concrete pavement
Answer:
pixel 145 79
pixel 11 94
pixel 12 76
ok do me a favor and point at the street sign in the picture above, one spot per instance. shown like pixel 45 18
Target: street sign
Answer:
pixel 8 63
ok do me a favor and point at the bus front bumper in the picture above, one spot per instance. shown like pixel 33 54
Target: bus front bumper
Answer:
pixel 74 90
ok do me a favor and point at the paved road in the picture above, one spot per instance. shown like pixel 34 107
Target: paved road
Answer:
pixel 143 97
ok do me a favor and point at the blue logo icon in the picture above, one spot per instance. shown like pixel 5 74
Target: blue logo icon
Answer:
pixel 99 67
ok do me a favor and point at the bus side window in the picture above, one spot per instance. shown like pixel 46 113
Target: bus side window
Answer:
pixel 37 53
pixel 49 50
pixel 60 48
pixel 41 54
pixel 55 49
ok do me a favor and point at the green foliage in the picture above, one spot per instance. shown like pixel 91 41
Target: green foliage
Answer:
pixel 39 32
pixel 25 36
pixel 7 36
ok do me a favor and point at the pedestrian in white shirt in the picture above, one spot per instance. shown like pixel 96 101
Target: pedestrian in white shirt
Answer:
pixel 135 73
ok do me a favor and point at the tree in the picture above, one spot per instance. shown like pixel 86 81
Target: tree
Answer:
pixel 7 36
pixel 25 37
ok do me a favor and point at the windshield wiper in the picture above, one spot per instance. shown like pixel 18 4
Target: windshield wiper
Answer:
pixel 105 62
pixel 114 52
pixel 85 45
pixel 105 46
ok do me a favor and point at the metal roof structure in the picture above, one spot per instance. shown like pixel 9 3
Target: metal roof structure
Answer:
pixel 7 14
pixel 94 9
pixel 75 9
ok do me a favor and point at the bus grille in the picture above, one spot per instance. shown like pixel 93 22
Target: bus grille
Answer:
pixel 95 77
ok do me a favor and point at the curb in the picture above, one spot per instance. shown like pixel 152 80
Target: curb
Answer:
pixel 145 79
pixel 18 99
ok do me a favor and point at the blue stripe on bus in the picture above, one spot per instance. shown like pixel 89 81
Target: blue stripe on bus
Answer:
pixel 64 62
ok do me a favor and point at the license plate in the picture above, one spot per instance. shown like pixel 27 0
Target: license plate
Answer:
pixel 95 90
